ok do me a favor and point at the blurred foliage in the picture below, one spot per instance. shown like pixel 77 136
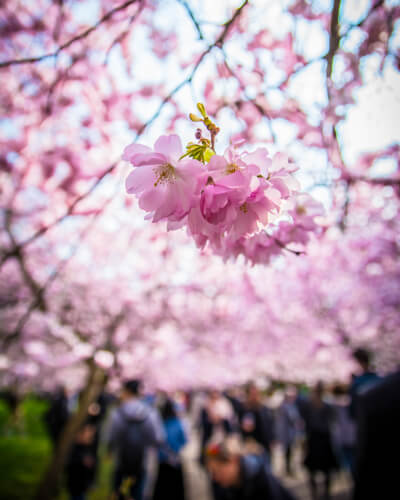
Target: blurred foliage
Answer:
pixel 5 417
pixel 25 450
pixel 31 413
pixel 22 462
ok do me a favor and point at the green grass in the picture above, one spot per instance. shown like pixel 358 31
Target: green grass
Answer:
pixel 25 450
pixel 22 462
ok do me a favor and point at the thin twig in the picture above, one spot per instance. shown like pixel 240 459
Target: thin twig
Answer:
pixel 218 43
pixel 254 102
pixel 84 34
pixel 284 247
pixel 69 211
pixel 124 33
pixel 193 18
pixel 334 39
pixel 39 291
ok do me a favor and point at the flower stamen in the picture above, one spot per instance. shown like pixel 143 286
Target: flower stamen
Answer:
pixel 165 173
pixel 231 168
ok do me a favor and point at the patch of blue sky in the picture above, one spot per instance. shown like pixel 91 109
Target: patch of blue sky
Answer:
pixel 308 88
pixel 10 129
pixel 285 132
pixel 273 16
pixel 87 12
pixel 394 42
pixel 352 12
pixel 312 40
pixel 383 167
pixel 374 122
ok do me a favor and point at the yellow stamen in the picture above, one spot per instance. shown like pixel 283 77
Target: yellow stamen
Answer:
pixel 231 168
pixel 300 210
pixel 165 173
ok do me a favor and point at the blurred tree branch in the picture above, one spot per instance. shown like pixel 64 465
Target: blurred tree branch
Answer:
pixel 71 41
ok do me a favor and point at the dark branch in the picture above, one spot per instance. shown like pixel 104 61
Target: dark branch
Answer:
pixel 17 248
pixel 38 291
pixel 334 38
pixel 193 18
pixel 125 32
pixel 81 36
pixel 229 23
pixel 218 43
pixel 27 276
pixel 284 247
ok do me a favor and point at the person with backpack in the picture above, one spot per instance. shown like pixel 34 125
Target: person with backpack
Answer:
pixel 135 427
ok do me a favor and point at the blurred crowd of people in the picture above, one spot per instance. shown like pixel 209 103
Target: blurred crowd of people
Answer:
pixel 238 431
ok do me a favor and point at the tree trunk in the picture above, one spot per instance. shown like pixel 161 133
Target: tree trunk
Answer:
pixel 50 483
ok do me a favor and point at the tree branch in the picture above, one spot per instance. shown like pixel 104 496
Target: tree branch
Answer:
pixel 284 247
pixel 81 36
pixel 334 38
pixel 39 291
pixel 218 43
pixel 19 246
pixel 193 18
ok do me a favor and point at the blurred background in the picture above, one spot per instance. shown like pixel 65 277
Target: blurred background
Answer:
pixel 93 295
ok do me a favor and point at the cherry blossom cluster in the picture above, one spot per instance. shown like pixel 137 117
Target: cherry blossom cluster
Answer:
pixel 238 203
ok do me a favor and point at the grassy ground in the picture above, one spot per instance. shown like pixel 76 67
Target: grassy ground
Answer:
pixel 23 461
pixel 25 450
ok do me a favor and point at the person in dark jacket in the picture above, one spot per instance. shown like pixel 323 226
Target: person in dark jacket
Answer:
pixel 288 425
pixel 241 475
pixel 255 419
pixel 81 464
pixel 169 482
pixel 57 415
pixel 377 464
pixel 135 427
pixel 363 380
pixel 215 418
pixel 216 421
pixel 320 455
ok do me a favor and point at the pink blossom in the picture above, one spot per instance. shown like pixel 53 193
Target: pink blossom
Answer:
pixel 261 247
pixel 229 187
pixel 166 186
pixel 305 210
pixel 254 210
pixel 280 175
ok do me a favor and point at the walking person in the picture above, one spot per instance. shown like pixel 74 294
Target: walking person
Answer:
pixel 288 426
pixel 344 428
pixel 320 456
pixel 135 427
pixel 169 482
pixel 217 421
pixel 57 415
pixel 363 380
pixel 256 420
pixel 81 463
